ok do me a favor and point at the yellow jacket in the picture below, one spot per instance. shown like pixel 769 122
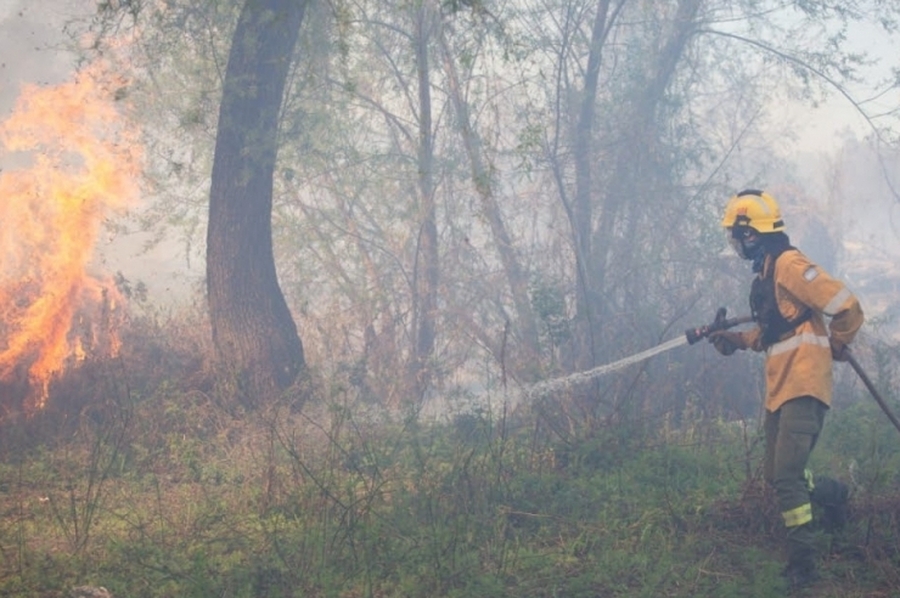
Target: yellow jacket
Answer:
pixel 800 364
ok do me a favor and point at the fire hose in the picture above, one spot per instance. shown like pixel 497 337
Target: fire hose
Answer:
pixel 722 323
pixel 871 387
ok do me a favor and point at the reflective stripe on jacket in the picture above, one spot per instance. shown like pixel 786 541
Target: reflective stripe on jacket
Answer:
pixel 800 364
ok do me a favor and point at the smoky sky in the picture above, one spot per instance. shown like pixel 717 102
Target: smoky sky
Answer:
pixel 34 50
pixel 32 46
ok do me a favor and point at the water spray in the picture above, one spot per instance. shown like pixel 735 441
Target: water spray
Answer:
pixel 690 337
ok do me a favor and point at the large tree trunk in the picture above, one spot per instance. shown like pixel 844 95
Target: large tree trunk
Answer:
pixel 255 336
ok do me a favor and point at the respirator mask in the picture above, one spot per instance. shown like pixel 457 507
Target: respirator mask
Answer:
pixel 745 241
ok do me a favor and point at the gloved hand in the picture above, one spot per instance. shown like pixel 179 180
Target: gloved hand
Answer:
pixel 726 342
pixel 839 351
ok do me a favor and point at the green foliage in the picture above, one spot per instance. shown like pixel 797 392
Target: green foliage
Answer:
pixel 343 504
pixel 549 306
pixel 861 442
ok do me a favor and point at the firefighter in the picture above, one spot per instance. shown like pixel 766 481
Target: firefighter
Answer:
pixel 789 300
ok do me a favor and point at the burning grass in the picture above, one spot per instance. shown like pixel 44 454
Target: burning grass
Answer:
pixel 82 166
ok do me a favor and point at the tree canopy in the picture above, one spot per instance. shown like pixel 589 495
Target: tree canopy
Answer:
pixel 479 192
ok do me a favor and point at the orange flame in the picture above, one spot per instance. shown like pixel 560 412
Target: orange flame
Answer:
pixel 84 164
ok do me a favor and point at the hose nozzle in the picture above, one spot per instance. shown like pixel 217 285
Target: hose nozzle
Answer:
pixel 720 323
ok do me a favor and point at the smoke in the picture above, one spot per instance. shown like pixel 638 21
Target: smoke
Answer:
pixel 37 49
pixel 33 46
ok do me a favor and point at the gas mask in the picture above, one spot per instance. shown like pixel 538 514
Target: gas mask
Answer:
pixel 746 242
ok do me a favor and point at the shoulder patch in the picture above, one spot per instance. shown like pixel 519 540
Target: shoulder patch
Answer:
pixel 810 274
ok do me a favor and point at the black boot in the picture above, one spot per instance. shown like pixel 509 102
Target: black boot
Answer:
pixel 800 574
pixel 800 571
pixel 833 497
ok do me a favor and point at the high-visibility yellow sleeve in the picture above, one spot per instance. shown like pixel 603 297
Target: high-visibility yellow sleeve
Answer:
pixel 811 286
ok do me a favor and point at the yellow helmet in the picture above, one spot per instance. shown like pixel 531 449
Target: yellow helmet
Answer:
pixel 756 209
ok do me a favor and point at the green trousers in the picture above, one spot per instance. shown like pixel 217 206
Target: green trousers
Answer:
pixel 791 435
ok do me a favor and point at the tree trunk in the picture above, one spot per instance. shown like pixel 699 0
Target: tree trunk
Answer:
pixel 581 214
pixel 482 178
pixel 633 173
pixel 427 271
pixel 255 336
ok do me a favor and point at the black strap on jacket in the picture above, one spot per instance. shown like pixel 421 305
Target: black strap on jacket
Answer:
pixel 764 305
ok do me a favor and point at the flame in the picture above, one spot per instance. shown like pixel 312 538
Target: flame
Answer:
pixel 84 166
